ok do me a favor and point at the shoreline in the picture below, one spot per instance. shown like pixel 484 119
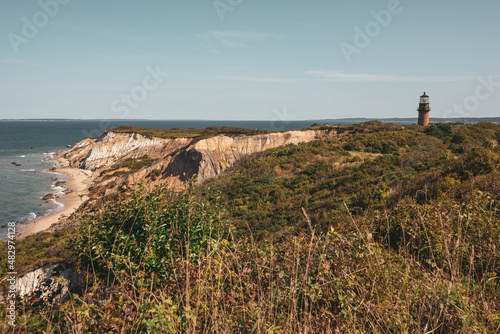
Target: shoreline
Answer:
pixel 77 183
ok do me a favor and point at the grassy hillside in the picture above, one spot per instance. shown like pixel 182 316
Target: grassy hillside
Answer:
pixel 369 171
pixel 393 229
pixel 189 133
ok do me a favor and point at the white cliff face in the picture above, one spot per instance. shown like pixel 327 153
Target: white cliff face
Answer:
pixel 48 283
pixel 112 148
pixel 79 152
pixel 221 152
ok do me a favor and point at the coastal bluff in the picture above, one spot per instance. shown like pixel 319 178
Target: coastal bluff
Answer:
pixel 119 158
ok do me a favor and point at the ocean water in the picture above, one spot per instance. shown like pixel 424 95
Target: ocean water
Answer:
pixel 32 145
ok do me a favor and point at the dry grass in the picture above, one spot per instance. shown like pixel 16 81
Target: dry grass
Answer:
pixel 337 282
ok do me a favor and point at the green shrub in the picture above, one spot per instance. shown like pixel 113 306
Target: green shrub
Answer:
pixel 440 130
pixel 147 233
pixel 486 144
pixel 479 161
pixel 459 137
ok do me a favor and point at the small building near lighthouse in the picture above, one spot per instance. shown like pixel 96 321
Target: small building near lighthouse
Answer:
pixel 423 110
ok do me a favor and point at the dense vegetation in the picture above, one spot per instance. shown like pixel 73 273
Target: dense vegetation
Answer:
pixel 393 229
pixel 371 170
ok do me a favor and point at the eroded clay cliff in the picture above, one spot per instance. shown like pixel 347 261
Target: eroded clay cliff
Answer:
pixel 173 161
pixel 111 148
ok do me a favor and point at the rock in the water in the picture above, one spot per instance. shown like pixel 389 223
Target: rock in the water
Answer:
pixel 48 197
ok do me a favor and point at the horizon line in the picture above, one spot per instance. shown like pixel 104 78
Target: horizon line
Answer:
pixel 236 120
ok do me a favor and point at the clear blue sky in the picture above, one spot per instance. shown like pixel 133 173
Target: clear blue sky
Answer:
pixel 264 56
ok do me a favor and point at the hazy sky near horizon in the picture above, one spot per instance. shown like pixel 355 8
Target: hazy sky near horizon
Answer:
pixel 248 59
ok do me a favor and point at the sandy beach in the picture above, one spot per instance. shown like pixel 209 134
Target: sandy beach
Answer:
pixel 78 182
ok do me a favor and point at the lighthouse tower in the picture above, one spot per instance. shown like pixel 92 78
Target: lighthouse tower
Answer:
pixel 423 110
